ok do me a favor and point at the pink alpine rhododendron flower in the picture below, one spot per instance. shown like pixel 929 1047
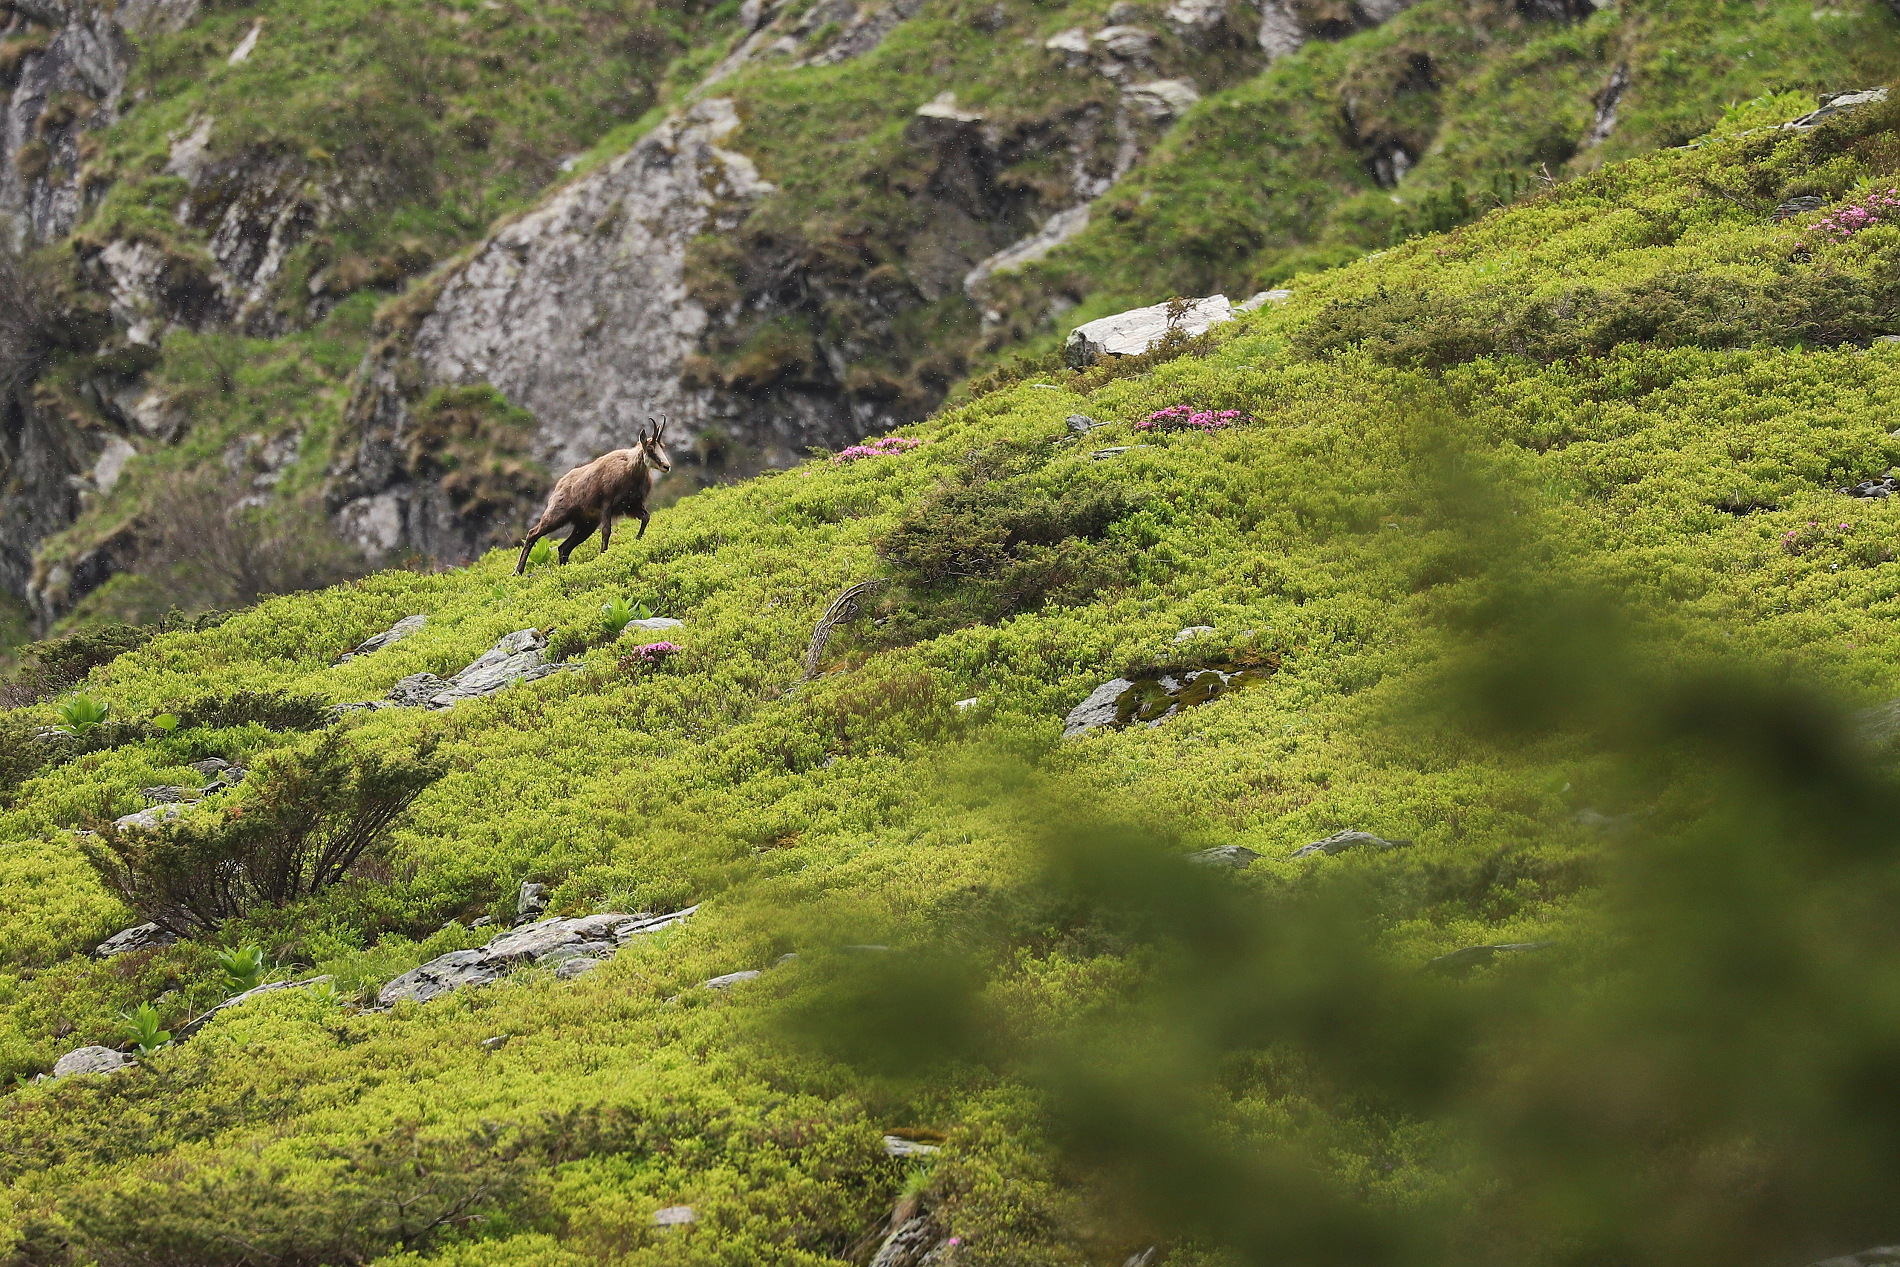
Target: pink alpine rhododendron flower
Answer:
pixel 889 446
pixel 1186 417
pixel 1882 204
pixel 654 652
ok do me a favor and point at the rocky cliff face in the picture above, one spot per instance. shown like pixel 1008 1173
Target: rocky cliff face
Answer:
pixel 577 312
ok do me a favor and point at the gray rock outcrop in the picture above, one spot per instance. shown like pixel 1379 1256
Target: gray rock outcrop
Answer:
pixel 1343 841
pixel 137 937
pixel 395 633
pixel 1879 1256
pixel 519 657
pixel 1150 701
pixel 1139 330
pixel 1231 857
pixel 554 942
pixel 531 902
pixel 91 1060
pixel 577 311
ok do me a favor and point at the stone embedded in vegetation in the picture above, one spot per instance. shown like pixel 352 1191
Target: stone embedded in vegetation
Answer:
pixel 1836 103
pixel 898 1146
pixel 395 633
pixel 655 622
pixel 731 979
pixel 496 1043
pixel 1151 701
pixel 1885 486
pixel 1079 424
pixel 1236 857
pixel 138 937
pixel 170 794
pixel 150 819
pixel 1879 1256
pixel 597 937
pixel 1161 98
pixel 674 1216
pixel 519 657
pixel 1459 962
pixel 1137 331
pixel 91 1060
pixel 1192 632
pixel 1340 842
pixel 1260 299
pixel 530 902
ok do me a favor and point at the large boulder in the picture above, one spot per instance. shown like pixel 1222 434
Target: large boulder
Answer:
pixel 1137 331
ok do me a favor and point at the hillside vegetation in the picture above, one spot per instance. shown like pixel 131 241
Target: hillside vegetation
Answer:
pixel 245 228
pixel 1634 384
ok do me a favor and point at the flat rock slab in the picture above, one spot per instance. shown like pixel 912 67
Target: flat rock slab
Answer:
pixel 519 657
pixel 150 819
pixel 1120 703
pixel 595 938
pixel 137 937
pixel 91 1060
pixel 1234 857
pixel 1879 1256
pixel 1341 842
pixel 1137 331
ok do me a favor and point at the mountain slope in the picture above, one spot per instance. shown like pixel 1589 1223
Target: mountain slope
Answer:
pixel 1634 380
pixel 248 184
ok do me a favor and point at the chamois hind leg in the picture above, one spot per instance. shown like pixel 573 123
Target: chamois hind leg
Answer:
pixel 583 529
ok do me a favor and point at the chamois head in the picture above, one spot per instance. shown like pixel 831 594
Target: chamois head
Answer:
pixel 650 447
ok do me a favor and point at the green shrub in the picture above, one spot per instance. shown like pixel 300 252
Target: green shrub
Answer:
pixel 992 540
pixel 307 820
pixel 273 710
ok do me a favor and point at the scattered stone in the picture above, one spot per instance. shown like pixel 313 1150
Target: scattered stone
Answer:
pixel 483 922
pixel 137 937
pixel 395 633
pixel 1151 701
pixel 1885 486
pixel 731 979
pixel 598 937
pixel 574 967
pixel 898 1146
pixel 965 705
pixel 1162 99
pixel 867 950
pixel 1879 1256
pixel 531 902
pixel 1195 19
pixel 1080 424
pixel 517 658
pixel 1136 331
pixel 416 690
pixel 916 1241
pixel 1459 962
pixel 1074 42
pixel 674 1216
pixel 1142 1259
pixel 1192 632
pixel 237 1000
pixel 213 767
pixel 1836 103
pixel 655 622
pixel 1259 300
pixel 1600 821
pixel 170 794
pixel 1340 842
pixel 1236 857
pixel 1103 454
pixel 1799 205
pixel 228 777
pixel 150 819
pixel 496 1043
pixel 789 956
pixel 91 1060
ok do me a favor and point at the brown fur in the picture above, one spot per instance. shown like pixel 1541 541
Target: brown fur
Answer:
pixel 613 485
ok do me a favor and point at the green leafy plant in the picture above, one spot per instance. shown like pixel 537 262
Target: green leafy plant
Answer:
pixel 541 552
pixel 311 817
pixel 142 1026
pixel 618 614
pixel 166 722
pixel 243 968
pixel 82 712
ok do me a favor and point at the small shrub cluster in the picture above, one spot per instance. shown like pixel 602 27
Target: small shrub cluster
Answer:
pixel 1870 209
pixel 1188 418
pixel 306 822
pixel 993 539
pixel 887 447
pixel 273 710
pixel 1814 307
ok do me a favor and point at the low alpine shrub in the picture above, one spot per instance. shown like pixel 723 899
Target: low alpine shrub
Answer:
pixel 309 820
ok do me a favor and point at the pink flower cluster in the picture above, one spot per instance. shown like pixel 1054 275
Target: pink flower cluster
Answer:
pixel 1801 540
pixel 1855 216
pixel 888 447
pixel 654 652
pixel 1183 417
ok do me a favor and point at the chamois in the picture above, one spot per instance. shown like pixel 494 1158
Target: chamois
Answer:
pixel 589 497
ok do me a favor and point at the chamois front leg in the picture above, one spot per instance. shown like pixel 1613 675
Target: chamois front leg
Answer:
pixel 606 532
pixel 527 543
pixel 645 518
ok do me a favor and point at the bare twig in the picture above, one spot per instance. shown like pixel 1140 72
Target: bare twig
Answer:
pixel 843 608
